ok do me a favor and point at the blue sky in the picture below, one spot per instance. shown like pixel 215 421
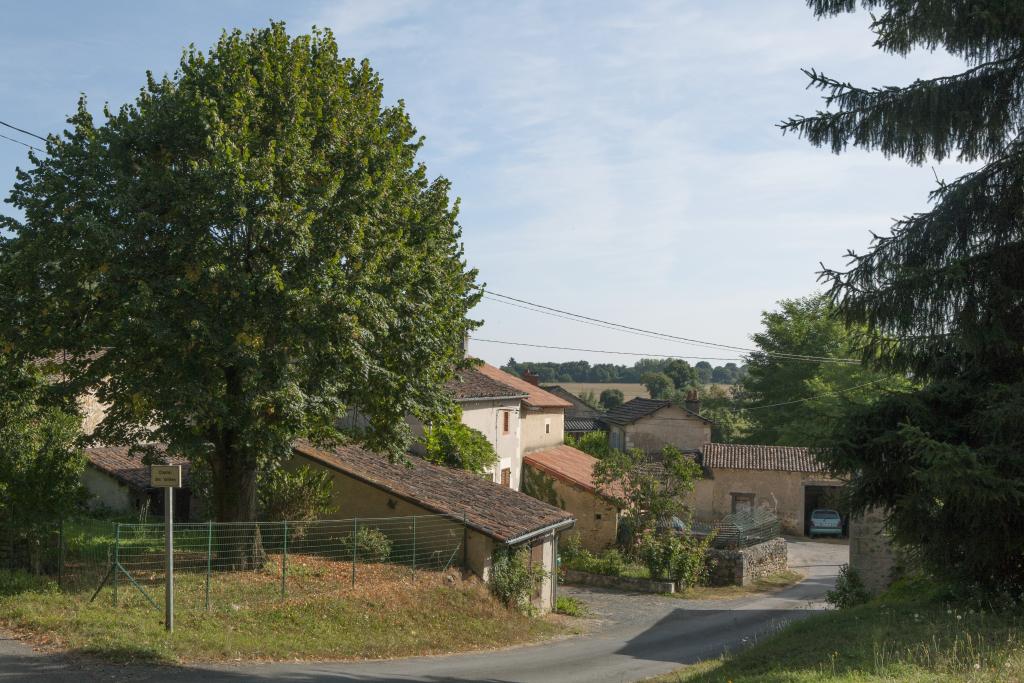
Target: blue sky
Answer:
pixel 619 160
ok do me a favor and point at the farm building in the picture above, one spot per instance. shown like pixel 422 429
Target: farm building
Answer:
pixel 651 424
pixel 486 514
pixel 564 476
pixel 785 480
pixel 118 481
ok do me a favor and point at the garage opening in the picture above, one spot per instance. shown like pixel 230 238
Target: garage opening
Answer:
pixel 830 497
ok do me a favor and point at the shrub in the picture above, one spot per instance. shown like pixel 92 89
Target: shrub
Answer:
pixel 574 556
pixel 450 443
pixel 300 496
pixel 513 580
pixel 674 558
pixel 372 545
pixel 570 606
pixel 849 591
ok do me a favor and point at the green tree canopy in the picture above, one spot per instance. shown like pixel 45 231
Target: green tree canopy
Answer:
pixel 451 443
pixel 612 398
pixel 940 296
pixel 658 384
pixel 242 255
pixel 804 327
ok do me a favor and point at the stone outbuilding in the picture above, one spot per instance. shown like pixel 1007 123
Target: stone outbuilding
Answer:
pixel 118 481
pixel 651 424
pixel 564 476
pixel 788 481
pixel 486 515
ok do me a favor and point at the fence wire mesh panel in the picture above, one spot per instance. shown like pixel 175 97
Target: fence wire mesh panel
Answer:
pixel 744 529
pixel 224 565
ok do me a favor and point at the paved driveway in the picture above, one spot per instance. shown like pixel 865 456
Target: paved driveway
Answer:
pixel 638 636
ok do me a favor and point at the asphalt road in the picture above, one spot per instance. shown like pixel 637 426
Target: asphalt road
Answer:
pixel 637 636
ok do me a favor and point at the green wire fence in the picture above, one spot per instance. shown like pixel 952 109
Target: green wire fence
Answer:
pixel 225 565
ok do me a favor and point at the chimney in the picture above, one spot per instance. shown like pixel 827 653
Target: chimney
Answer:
pixel 531 378
pixel 692 402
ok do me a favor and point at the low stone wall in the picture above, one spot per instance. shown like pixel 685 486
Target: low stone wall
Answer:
pixel 624 583
pixel 743 566
pixel 872 554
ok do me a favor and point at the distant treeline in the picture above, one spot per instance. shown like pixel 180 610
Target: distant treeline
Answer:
pixel 582 371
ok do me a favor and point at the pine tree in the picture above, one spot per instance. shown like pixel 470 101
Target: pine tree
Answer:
pixel 942 296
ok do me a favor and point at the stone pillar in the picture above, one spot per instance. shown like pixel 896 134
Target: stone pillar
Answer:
pixel 872 555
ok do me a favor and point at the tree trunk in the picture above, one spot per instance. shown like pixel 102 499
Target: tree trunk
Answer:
pixel 233 480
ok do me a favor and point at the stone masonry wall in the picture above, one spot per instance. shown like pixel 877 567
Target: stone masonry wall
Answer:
pixel 743 566
pixel 871 553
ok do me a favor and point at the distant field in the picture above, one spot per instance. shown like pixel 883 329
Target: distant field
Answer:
pixel 628 390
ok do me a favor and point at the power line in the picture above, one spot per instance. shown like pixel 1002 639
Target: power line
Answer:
pixel 22 130
pixel 617 353
pixel 659 335
pixel 20 143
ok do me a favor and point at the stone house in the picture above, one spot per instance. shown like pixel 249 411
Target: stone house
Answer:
pixel 542 413
pixel 118 481
pixel 487 515
pixel 785 480
pixel 580 418
pixel 651 424
pixel 493 408
pixel 564 476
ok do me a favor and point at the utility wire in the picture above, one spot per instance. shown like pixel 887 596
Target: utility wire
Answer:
pixel 617 353
pixel 22 130
pixel 581 318
pixel 20 143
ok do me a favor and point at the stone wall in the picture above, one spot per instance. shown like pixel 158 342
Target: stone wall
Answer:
pixel 743 566
pixel 871 552
pixel 597 520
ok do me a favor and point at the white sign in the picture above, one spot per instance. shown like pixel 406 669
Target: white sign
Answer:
pixel 163 476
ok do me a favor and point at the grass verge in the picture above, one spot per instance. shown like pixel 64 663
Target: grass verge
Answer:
pixel 910 634
pixel 766 584
pixel 396 617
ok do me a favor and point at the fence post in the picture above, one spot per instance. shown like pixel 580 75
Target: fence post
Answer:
pixel 465 542
pixel 60 554
pixel 414 547
pixel 284 560
pixel 209 560
pixel 355 546
pixel 117 557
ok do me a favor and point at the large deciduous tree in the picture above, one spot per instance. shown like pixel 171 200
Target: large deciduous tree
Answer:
pixel 942 295
pixel 241 256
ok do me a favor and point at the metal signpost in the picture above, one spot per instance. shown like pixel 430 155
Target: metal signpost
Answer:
pixel 168 477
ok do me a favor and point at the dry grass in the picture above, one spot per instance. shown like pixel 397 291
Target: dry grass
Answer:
pixel 390 613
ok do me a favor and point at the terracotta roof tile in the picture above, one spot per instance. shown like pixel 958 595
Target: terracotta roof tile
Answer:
pixel 754 457
pixel 490 508
pixel 117 462
pixel 573 466
pixel 470 384
pixel 535 396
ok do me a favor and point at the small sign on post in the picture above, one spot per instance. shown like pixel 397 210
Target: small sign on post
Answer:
pixel 167 477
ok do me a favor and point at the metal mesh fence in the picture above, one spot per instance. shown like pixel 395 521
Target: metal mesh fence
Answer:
pixel 740 529
pixel 223 565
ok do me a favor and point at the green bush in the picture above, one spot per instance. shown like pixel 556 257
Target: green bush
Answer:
pixel 574 556
pixel 298 496
pixel 849 591
pixel 513 580
pixel 674 558
pixel 570 606
pixel 450 443
pixel 372 545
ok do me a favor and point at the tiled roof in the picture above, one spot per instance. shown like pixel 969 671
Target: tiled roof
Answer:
pixel 582 424
pixel 751 457
pixel 579 408
pixel 471 384
pixel 490 508
pixel 632 410
pixel 571 465
pixel 118 463
pixel 535 396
